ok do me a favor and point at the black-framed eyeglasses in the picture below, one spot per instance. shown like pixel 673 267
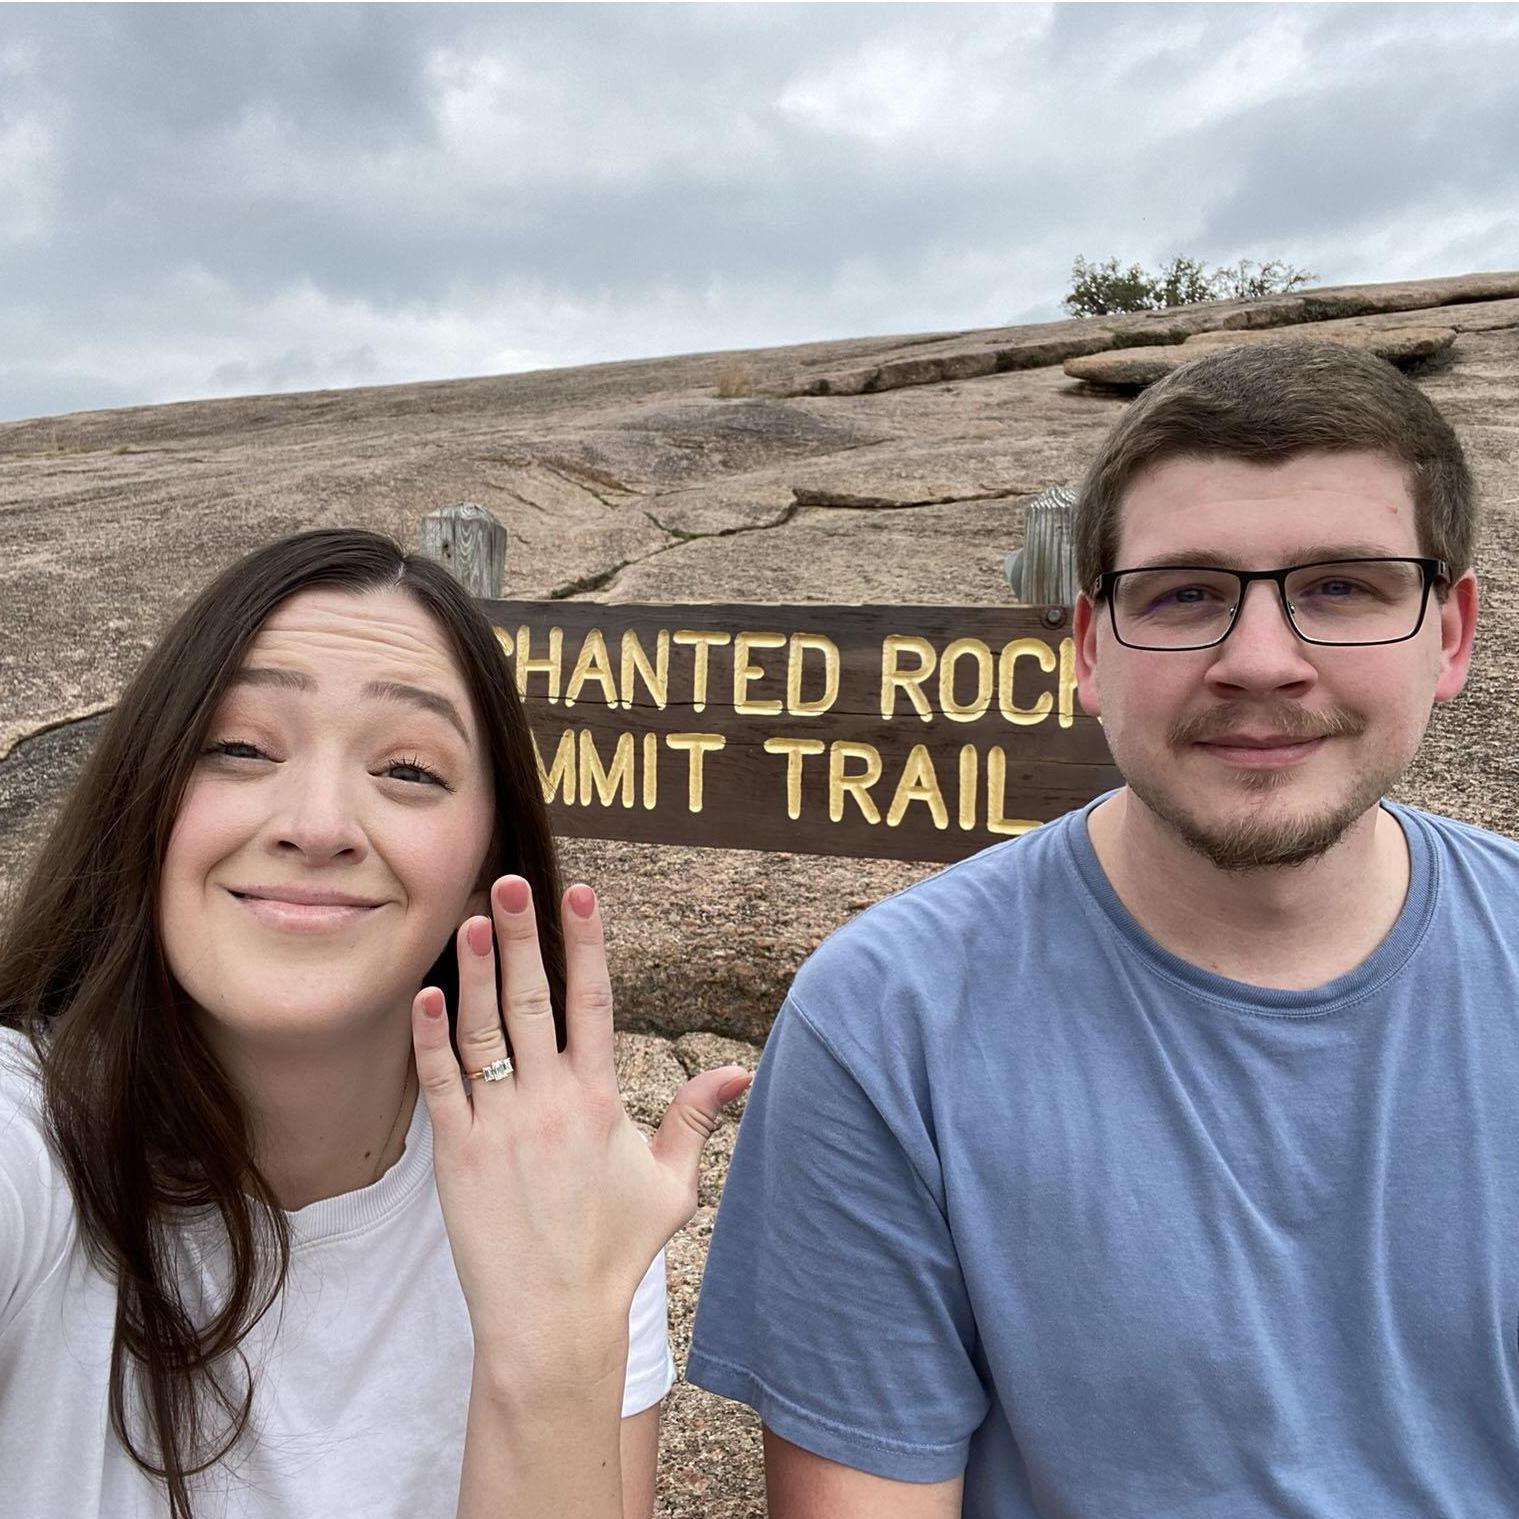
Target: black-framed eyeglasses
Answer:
pixel 1330 601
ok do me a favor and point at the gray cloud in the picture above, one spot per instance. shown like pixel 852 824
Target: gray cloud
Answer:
pixel 210 199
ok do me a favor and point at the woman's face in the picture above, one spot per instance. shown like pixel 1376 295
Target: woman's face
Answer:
pixel 335 828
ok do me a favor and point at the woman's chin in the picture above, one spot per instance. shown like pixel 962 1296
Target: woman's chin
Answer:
pixel 302 1016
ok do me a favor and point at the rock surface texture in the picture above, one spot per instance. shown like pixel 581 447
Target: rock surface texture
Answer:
pixel 873 470
pixel 1135 368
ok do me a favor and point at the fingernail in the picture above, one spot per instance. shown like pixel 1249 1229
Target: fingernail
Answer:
pixel 432 1004
pixel 478 932
pixel 730 1089
pixel 582 901
pixel 512 894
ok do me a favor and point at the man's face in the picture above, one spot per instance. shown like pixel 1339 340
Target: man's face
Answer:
pixel 1264 749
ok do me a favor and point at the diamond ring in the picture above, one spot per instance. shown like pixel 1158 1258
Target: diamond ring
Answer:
pixel 497 1070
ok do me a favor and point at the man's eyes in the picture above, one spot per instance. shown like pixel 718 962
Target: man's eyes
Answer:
pixel 1191 593
pixel 1335 588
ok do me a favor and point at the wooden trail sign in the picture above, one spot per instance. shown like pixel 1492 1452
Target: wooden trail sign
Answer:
pixel 896 732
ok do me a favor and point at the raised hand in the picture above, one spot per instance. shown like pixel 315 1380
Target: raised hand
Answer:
pixel 555 1203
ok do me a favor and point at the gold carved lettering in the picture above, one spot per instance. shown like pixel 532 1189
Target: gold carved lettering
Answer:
pixel 919 783
pixel 996 796
pixel 794 749
pixel 696 746
pixel 801 643
pixel 895 678
pixel 550 665
pixel 702 642
pixel 561 774
pixel 857 785
pixel 606 783
pixel 968 766
pixel 1023 648
pixel 958 711
pixel 655 675
pixel 593 664
pixel 650 771
pixel 745 674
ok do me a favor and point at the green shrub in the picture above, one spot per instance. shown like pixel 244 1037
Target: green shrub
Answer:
pixel 1105 289
pixel 1247 281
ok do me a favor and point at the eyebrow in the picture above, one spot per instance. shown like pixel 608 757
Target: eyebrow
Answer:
pixel 381 690
pixel 1313 553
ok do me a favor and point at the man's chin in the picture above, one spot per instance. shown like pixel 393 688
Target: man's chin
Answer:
pixel 1255 834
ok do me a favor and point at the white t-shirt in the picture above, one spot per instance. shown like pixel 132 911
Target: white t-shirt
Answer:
pixel 362 1368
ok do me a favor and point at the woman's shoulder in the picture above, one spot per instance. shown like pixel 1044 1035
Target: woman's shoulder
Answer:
pixel 36 1207
pixel 20 1089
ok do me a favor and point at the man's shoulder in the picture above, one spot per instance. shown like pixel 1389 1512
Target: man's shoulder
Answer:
pixel 1480 849
pixel 955 925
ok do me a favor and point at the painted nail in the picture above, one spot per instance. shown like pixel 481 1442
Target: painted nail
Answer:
pixel 582 901
pixel 478 932
pixel 732 1087
pixel 432 1004
pixel 512 894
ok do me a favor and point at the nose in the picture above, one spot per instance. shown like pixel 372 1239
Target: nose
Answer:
pixel 316 815
pixel 1262 652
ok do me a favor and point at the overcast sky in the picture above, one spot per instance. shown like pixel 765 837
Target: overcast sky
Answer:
pixel 219 200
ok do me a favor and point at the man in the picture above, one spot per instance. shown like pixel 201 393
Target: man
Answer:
pixel 1164 1163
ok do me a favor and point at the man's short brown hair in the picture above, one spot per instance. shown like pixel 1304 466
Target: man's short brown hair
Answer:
pixel 1266 403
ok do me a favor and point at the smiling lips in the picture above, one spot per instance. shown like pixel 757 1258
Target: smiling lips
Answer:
pixel 1261 751
pixel 1244 736
pixel 303 909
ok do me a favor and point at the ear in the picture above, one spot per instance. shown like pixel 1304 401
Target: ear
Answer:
pixel 1084 636
pixel 1458 625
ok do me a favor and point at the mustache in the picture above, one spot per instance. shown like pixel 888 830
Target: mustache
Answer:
pixel 1284 718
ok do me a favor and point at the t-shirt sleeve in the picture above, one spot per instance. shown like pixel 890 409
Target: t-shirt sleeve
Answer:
pixel 833 1302
pixel 651 1367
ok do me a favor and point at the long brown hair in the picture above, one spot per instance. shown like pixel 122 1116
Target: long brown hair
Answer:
pixel 146 1124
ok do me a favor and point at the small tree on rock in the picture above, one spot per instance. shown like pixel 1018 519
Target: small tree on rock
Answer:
pixel 1106 289
pixel 1248 281
pixel 1102 289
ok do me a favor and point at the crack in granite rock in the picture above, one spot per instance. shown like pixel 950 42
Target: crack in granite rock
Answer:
pixel 14 755
pixel 603 578
pixel 588 485
pixel 802 496
pixel 843 501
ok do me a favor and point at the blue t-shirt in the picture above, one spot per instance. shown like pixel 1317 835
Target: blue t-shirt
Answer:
pixel 1020 1194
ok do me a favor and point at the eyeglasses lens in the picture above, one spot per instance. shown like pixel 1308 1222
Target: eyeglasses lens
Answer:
pixel 1358 601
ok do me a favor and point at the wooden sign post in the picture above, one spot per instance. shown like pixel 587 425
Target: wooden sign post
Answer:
pixel 897 732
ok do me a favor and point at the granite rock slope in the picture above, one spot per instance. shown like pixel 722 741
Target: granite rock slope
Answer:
pixel 635 482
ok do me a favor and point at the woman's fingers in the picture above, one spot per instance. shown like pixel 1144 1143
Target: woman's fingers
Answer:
pixel 437 1069
pixel 588 995
pixel 479 1032
pixel 525 996
pixel 690 1119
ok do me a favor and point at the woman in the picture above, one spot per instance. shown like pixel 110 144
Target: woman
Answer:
pixel 269 915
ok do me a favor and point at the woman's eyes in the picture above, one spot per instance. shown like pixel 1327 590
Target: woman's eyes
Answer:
pixel 225 749
pixel 420 774
pixel 412 771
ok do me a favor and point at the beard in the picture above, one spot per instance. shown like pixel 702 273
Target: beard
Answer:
pixel 1258 835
